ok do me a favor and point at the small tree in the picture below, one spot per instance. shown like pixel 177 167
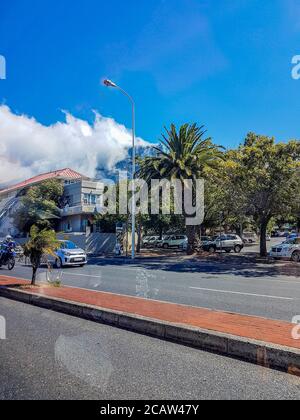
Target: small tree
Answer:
pixel 40 206
pixel 42 242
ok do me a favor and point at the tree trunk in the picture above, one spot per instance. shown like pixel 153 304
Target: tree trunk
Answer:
pixel 161 233
pixel 139 243
pixel 190 232
pixel 239 230
pixel 263 239
pixel 34 271
pixel 35 262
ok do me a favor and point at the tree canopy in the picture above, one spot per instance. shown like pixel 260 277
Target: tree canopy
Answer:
pixel 41 242
pixel 39 206
pixel 264 176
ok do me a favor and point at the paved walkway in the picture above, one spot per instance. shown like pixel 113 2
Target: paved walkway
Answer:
pixel 275 332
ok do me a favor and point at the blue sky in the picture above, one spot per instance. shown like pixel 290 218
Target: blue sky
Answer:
pixel 222 63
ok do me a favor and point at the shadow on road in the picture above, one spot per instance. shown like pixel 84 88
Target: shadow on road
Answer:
pixel 241 265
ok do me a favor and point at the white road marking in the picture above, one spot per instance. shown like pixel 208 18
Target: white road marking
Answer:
pixel 81 275
pixel 241 293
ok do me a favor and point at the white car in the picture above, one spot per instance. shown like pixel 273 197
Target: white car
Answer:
pixel 146 240
pixel 160 242
pixel 176 241
pixel 289 249
pixel 250 238
pixel 153 241
pixel 225 243
pixel 150 241
pixel 68 254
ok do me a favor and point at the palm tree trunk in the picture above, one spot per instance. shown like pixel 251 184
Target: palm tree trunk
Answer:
pixel 190 230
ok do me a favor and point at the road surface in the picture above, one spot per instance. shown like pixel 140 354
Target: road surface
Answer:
pixel 237 284
pixel 48 355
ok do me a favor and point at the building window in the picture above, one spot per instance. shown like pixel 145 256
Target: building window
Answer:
pixel 90 199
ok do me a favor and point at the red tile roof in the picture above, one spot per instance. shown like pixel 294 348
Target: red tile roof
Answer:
pixel 66 174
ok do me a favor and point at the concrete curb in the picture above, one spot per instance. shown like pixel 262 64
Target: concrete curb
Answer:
pixel 263 354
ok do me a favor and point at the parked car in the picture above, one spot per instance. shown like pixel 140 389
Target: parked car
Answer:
pixel 205 239
pixel 249 238
pixel 150 241
pixel 176 241
pixel 289 249
pixel 284 234
pixel 293 236
pixel 225 243
pixel 68 254
pixel 145 240
pixel 160 242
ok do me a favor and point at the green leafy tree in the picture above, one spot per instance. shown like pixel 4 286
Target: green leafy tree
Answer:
pixel 266 176
pixel 183 155
pixel 160 224
pixel 225 201
pixel 42 242
pixel 39 206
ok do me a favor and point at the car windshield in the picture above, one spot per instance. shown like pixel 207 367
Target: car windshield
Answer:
pixel 68 245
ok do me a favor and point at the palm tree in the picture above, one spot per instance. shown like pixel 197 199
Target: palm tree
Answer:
pixel 183 155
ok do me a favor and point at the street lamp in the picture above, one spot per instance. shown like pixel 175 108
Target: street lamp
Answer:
pixel 109 83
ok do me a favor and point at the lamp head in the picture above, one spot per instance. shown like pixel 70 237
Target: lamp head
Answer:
pixel 109 83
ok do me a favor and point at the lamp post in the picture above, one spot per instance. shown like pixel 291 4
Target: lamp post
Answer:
pixel 109 83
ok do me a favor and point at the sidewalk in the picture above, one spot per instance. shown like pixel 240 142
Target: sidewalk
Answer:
pixel 249 327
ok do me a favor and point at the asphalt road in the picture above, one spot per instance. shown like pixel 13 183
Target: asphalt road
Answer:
pixel 48 355
pixel 235 284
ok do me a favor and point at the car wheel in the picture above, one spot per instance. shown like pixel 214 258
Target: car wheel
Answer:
pixel 58 263
pixel 165 246
pixel 211 249
pixel 237 249
pixel 296 256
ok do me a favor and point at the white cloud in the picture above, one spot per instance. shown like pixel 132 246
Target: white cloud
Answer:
pixel 28 148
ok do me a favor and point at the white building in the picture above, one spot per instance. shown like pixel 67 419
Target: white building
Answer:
pixel 82 198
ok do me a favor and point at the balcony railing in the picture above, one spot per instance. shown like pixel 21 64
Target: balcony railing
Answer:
pixel 81 209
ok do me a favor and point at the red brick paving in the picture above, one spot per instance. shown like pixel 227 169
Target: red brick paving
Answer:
pixel 270 331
